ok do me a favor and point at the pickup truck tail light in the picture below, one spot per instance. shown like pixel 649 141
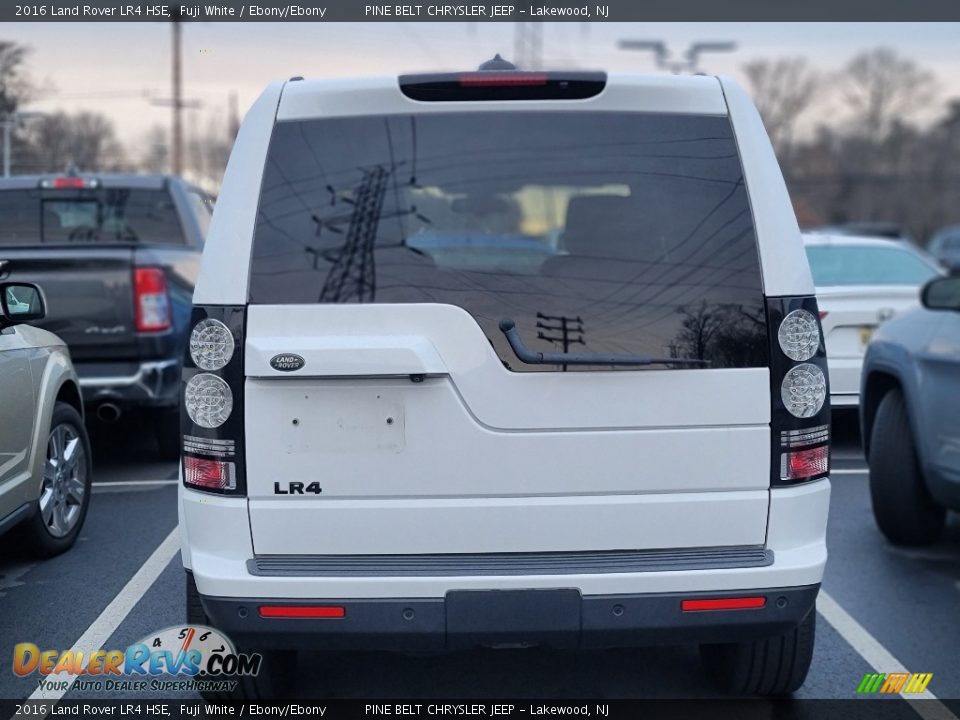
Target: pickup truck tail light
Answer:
pixel 211 411
pixel 799 392
pixel 151 300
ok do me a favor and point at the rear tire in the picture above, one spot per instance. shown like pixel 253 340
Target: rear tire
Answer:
pixel 773 666
pixel 58 494
pixel 166 428
pixel 903 508
pixel 277 670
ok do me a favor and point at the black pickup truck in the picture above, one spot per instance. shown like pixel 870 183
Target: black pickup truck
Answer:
pixel 117 257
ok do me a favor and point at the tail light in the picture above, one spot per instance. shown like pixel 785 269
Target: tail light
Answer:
pixel 799 392
pixel 151 300
pixel 69 182
pixel 208 474
pixel 211 411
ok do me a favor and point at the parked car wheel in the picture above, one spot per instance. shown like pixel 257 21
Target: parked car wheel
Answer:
pixel 773 666
pixel 904 510
pixel 277 670
pixel 65 495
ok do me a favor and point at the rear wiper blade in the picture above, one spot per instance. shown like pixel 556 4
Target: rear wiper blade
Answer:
pixel 509 328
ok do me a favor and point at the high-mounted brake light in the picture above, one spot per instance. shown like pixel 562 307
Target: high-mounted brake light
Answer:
pixel 734 603
pixel 507 79
pixel 69 183
pixel 151 300
pixel 303 611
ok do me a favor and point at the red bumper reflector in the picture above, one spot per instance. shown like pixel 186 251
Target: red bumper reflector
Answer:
pixel 302 611
pixel 736 603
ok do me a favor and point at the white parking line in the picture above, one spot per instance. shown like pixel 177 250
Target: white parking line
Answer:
pixel 878 657
pixel 134 483
pixel 113 614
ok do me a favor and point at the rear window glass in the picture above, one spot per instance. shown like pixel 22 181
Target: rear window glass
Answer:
pixel 106 215
pixel 615 233
pixel 866 265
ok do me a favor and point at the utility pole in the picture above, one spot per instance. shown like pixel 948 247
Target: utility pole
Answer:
pixel 688 62
pixel 176 102
pixel 566 326
pixel 233 115
pixel 176 139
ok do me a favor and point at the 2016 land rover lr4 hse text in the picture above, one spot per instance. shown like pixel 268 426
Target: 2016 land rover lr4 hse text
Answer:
pixel 507 358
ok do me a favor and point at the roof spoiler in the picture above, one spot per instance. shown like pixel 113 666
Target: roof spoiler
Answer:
pixel 498 79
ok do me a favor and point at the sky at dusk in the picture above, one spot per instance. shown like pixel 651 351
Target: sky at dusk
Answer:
pixel 115 68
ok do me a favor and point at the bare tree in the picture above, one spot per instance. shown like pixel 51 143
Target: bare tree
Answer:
pixel 883 88
pixel 15 85
pixel 86 140
pixel 783 89
pixel 208 150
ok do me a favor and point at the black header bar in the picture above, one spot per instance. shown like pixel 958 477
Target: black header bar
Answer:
pixel 474 11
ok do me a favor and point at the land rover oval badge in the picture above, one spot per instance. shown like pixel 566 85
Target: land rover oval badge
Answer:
pixel 286 362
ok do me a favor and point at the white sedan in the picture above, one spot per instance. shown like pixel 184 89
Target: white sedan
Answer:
pixel 860 283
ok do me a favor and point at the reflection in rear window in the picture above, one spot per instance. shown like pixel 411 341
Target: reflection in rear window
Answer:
pixel 107 215
pixel 617 233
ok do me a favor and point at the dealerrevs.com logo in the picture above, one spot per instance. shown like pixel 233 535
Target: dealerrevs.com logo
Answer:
pixel 894 683
pixel 202 657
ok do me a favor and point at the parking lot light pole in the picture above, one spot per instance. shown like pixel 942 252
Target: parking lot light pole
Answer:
pixel 10 123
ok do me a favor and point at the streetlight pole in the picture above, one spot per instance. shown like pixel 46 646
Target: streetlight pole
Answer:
pixel 688 62
pixel 10 123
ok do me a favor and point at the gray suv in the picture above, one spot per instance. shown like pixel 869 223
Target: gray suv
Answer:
pixel 911 427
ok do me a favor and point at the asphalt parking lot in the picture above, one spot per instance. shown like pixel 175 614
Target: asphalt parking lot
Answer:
pixel 883 608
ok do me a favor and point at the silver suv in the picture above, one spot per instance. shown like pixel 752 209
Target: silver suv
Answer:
pixel 45 469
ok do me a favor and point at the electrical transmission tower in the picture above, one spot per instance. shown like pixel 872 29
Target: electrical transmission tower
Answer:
pixel 688 62
pixel 352 273
pixel 570 329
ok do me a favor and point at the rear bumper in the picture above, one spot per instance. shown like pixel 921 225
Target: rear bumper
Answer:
pixel 153 383
pixel 845 381
pixel 561 618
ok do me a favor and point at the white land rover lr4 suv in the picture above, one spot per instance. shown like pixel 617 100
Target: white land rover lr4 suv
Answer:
pixel 507 358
